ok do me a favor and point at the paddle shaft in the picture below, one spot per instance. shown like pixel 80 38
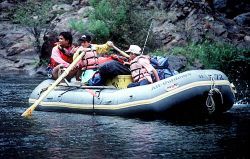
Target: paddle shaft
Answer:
pixel 120 51
pixel 29 111
pixel 146 38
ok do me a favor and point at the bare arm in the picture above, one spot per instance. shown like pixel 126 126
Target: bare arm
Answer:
pixel 156 75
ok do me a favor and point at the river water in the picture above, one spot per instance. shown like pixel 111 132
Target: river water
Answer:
pixel 63 135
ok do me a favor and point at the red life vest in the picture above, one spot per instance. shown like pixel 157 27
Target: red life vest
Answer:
pixel 102 60
pixel 65 56
pixel 138 72
pixel 120 59
pixel 107 58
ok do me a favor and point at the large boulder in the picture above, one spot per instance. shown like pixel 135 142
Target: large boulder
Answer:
pixel 194 21
pixel 243 19
pixel 62 7
pixel 62 22
pixel 17 51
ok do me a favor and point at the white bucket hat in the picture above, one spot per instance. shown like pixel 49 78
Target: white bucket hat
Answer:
pixel 134 49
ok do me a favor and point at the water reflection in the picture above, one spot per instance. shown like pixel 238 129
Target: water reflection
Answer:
pixel 62 135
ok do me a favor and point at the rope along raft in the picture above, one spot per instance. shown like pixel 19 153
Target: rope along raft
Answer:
pixel 210 102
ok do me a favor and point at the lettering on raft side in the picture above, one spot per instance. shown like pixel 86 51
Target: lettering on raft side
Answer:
pixel 214 76
pixel 170 81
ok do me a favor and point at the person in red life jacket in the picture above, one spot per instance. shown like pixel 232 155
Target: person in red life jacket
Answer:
pixel 140 67
pixel 62 56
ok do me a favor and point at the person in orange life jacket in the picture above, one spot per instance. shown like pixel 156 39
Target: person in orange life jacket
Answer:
pixel 140 67
pixel 90 60
pixel 85 42
pixel 62 56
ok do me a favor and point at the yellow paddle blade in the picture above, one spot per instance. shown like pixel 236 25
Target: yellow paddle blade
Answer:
pixel 28 112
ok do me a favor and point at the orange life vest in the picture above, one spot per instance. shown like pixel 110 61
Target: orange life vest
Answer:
pixel 89 60
pixel 138 72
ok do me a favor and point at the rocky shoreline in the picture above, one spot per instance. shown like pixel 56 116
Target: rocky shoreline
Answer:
pixel 183 21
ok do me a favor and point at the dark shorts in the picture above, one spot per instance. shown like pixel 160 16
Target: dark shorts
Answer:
pixel 49 72
pixel 113 68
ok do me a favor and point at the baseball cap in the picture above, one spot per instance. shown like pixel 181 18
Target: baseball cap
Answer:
pixel 134 49
pixel 85 38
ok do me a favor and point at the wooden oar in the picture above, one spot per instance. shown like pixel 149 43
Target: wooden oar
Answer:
pixel 121 52
pixel 29 111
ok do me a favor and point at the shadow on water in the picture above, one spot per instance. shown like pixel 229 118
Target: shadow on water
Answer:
pixel 64 135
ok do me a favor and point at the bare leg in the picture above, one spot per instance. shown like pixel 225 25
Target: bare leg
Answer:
pixel 57 71
pixel 78 74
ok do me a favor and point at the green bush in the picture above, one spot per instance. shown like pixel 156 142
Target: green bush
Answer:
pixel 99 28
pixel 212 55
pixel 77 25
pixel 117 20
pixel 234 62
